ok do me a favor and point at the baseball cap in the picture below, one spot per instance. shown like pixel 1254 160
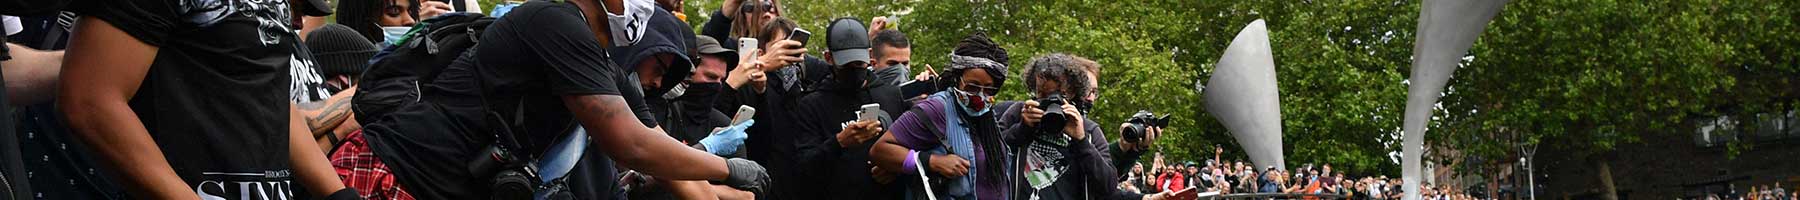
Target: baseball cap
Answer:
pixel 848 41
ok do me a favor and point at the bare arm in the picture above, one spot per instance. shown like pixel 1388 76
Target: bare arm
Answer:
pixel 105 68
pixel 612 125
pixel 31 75
pixel 887 153
pixel 322 116
pixel 309 163
pixel 691 190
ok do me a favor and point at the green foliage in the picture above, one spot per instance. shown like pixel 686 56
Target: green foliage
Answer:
pixel 1576 73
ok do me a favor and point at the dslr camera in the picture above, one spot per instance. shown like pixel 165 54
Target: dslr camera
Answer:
pixel 1140 124
pixel 1054 118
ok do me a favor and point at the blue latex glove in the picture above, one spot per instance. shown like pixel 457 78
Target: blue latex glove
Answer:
pixel 726 141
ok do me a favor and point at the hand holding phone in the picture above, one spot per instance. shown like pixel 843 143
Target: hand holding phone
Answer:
pixel 747 46
pixel 744 113
pixel 800 35
pixel 869 112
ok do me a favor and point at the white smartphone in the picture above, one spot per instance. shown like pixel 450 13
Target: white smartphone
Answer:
pixel 869 112
pixel 744 113
pixel 746 46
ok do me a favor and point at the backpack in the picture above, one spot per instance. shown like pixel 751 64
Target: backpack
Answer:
pixel 396 74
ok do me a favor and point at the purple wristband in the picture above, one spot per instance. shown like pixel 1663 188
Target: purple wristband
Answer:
pixel 911 162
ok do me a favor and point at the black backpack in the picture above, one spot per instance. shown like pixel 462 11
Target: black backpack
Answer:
pixel 400 70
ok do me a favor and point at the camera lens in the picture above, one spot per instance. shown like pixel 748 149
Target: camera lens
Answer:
pixel 1053 113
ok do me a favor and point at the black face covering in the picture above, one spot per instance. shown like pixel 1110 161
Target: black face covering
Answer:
pixel 849 77
pixel 701 95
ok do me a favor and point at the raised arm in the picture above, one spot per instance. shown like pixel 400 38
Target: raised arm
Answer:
pixel 105 67
pixel 612 125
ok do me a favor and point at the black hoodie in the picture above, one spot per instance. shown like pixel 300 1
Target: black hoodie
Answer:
pixel 831 171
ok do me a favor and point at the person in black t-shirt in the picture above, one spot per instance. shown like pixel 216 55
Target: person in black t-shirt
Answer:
pixel 545 66
pixel 184 99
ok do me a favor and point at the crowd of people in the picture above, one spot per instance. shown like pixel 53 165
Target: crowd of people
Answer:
pixel 1226 177
pixel 551 99
pixel 1766 192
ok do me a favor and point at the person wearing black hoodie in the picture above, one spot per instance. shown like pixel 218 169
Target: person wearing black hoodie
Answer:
pixel 833 141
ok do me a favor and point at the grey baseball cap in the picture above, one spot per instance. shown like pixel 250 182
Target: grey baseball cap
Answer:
pixel 848 41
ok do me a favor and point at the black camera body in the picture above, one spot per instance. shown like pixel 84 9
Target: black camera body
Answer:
pixel 512 176
pixel 1054 118
pixel 1140 124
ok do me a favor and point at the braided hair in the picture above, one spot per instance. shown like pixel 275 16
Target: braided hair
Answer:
pixel 984 130
pixel 976 45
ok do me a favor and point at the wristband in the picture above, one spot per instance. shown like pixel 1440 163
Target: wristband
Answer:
pixel 911 162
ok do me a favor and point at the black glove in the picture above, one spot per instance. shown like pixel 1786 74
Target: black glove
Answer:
pixel 746 175
pixel 344 194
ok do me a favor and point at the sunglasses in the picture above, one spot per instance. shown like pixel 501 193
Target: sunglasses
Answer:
pixel 982 89
pixel 757 6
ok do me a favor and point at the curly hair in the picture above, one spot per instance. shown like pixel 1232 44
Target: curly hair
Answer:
pixel 1069 71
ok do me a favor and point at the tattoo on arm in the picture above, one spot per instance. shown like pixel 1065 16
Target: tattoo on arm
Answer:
pixel 325 115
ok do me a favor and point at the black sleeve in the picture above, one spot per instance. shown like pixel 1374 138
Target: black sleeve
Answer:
pixel 815 70
pixel 1121 159
pixel 816 143
pixel 150 21
pixel 1012 128
pixel 577 65
pixel 719 27
pixel 1093 164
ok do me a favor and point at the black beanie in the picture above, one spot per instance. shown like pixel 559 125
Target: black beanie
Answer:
pixel 338 50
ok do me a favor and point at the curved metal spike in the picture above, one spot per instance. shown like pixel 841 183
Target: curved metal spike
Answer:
pixel 1243 95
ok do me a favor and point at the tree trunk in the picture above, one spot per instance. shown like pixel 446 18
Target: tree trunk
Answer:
pixel 1608 191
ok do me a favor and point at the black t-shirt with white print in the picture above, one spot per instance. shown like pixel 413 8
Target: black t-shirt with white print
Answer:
pixel 216 97
pixel 526 62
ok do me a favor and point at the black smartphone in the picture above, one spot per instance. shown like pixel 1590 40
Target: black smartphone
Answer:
pixel 912 89
pixel 800 35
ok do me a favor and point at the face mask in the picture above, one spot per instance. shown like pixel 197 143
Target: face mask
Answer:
pixel 628 28
pixel 895 73
pixel 701 93
pixel 973 104
pixel 1084 106
pixel 391 35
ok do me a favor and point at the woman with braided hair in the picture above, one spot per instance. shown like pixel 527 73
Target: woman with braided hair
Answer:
pixel 952 134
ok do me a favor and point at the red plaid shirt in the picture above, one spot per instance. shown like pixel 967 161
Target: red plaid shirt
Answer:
pixel 357 164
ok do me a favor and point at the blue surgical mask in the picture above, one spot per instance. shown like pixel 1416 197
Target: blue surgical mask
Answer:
pixel 391 35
